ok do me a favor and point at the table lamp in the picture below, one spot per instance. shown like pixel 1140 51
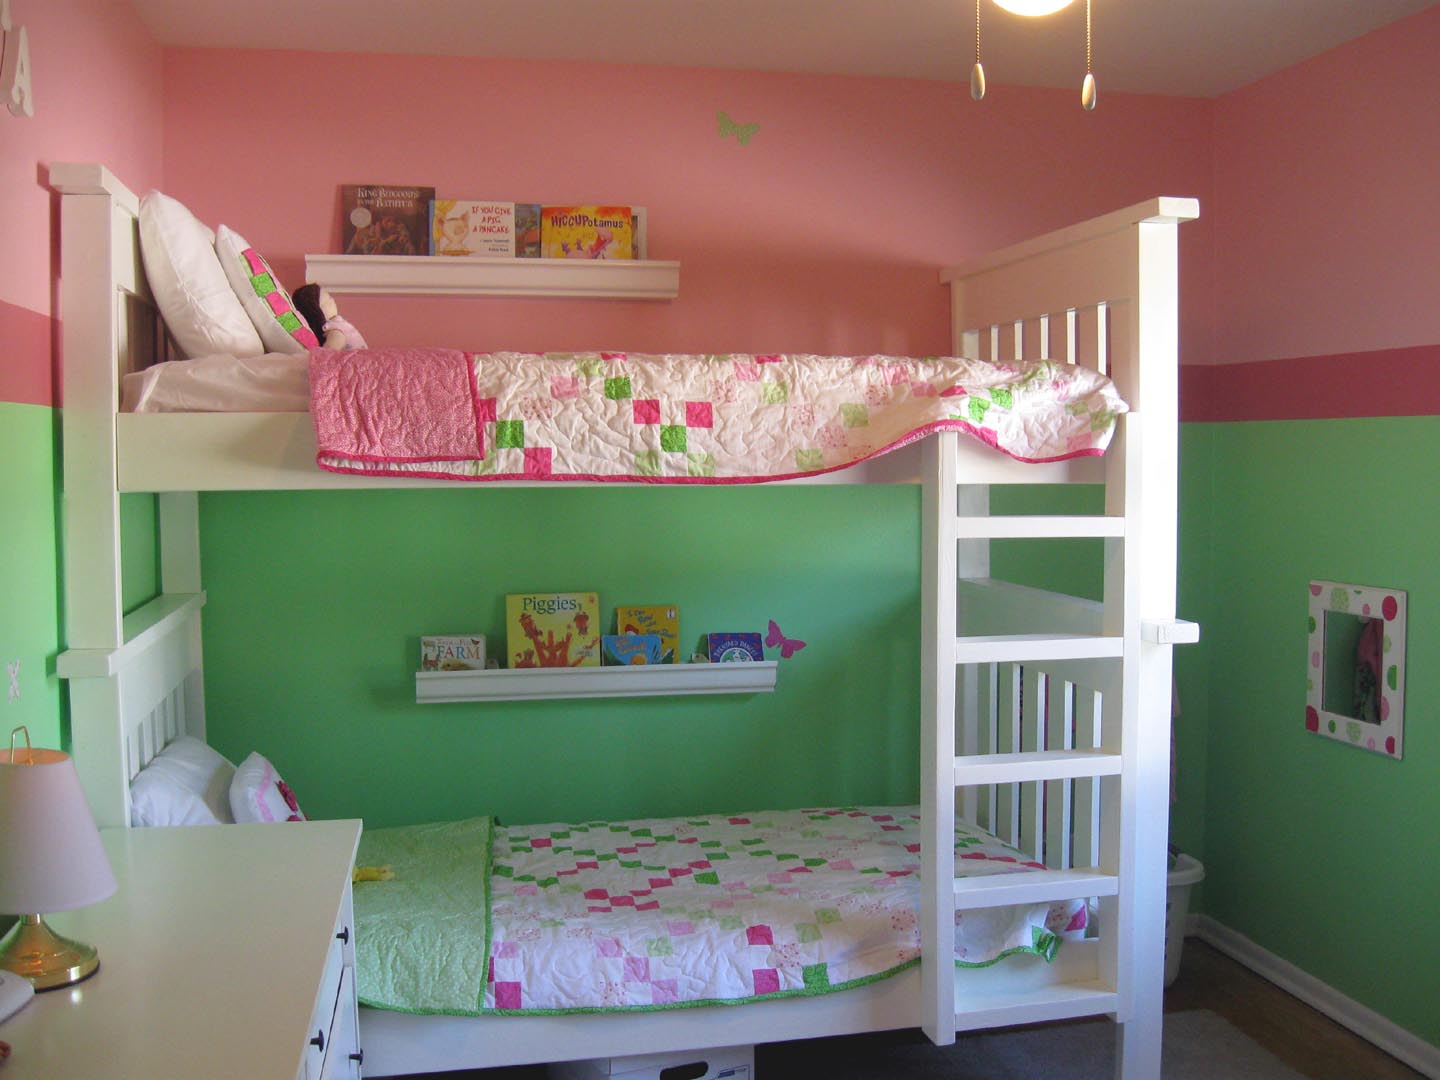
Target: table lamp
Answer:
pixel 51 859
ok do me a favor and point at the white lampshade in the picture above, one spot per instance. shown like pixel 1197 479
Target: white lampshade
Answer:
pixel 51 858
pixel 1033 7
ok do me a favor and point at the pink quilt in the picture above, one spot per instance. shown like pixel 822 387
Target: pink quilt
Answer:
pixel 676 419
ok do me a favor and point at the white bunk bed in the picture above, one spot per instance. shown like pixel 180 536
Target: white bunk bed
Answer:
pixel 1015 681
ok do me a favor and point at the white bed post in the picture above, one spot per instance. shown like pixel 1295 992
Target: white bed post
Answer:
pixel 937 739
pixel 1139 602
pixel 89 328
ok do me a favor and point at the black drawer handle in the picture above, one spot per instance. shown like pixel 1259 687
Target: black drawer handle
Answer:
pixel 319 1041
pixel 344 935
pixel 358 1057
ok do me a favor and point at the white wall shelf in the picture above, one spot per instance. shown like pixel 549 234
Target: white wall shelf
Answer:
pixel 444 275
pixel 543 684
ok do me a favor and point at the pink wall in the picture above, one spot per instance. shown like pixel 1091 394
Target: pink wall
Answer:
pixel 97 80
pixel 1325 195
pixel 822 234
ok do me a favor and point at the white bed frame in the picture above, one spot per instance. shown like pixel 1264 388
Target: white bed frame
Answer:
pixel 1016 680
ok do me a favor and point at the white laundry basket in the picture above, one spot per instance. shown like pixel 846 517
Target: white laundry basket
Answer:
pixel 1185 874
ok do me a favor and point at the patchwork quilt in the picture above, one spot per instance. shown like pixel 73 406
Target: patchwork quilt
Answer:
pixel 667 913
pixel 691 418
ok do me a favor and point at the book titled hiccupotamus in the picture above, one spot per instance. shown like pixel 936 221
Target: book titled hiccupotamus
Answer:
pixel 452 652
pixel 472 227
pixel 734 648
pixel 587 232
pixel 552 629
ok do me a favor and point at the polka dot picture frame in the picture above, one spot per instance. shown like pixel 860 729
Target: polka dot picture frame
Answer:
pixel 1355 666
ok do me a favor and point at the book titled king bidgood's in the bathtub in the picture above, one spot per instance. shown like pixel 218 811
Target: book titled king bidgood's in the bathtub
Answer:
pixel 552 629
pixel 385 219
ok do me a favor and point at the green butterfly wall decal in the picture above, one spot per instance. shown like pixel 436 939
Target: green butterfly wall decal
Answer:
pixel 742 132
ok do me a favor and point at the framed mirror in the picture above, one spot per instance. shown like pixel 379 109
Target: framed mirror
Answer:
pixel 1355 675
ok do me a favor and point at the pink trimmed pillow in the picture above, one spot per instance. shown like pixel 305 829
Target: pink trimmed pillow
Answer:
pixel 259 795
pixel 281 327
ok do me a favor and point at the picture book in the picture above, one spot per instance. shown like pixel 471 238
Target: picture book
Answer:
pixel 527 230
pixel 661 619
pixel 472 227
pixel 640 226
pixel 732 648
pixel 629 649
pixel 552 629
pixel 586 232
pixel 452 652
pixel 377 219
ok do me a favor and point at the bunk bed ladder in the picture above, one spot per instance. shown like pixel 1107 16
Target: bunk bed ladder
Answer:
pixel 1065 734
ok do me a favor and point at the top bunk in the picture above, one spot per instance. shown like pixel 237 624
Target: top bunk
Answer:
pixel 1101 295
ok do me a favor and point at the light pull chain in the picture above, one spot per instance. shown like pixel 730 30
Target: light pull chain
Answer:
pixel 1087 88
pixel 977 73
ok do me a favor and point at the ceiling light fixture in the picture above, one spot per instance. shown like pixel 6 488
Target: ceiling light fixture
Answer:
pixel 1035 8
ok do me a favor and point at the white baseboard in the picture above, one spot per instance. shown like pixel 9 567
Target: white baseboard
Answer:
pixel 1389 1036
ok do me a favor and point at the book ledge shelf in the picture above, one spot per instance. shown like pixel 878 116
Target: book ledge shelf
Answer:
pixel 544 684
pixel 444 275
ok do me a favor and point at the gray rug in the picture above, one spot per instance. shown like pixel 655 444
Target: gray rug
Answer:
pixel 1198 1045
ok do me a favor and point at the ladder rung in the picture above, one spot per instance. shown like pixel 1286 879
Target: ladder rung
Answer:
pixel 975 769
pixel 1019 648
pixel 1033 1004
pixel 1037 526
pixel 1032 887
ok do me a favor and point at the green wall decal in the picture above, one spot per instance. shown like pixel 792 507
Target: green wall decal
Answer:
pixel 743 132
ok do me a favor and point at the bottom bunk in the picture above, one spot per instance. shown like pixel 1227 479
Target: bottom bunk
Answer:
pixel 472 918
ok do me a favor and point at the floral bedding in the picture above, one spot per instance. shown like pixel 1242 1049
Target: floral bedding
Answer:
pixel 683 418
pixel 666 913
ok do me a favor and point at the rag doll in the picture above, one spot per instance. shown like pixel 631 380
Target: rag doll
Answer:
pixel 322 313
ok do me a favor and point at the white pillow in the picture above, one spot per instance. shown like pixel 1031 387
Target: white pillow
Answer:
pixel 281 327
pixel 190 287
pixel 257 794
pixel 187 783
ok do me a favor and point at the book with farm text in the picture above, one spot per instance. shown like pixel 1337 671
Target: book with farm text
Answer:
pixel 452 652
pixel 380 219
pixel 552 629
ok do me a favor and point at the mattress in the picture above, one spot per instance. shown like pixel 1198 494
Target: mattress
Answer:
pixel 666 913
pixel 274 382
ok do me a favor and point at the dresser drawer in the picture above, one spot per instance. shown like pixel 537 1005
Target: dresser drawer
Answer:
pixel 326 1002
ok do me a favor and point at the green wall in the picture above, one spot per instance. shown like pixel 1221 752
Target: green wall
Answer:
pixel 1322 853
pixel 318 600
pixel 30 627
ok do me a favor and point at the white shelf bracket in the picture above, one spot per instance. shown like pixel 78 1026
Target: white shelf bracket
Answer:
pixel 1169 631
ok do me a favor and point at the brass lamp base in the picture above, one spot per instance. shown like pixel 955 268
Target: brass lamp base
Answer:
pixel 48 960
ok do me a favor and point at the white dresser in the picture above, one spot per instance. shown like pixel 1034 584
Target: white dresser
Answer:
pixel 227 953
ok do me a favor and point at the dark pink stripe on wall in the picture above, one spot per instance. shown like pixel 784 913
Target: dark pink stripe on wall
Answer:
pixel 1387 382
pixel 26 339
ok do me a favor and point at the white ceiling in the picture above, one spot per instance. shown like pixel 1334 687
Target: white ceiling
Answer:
pixel 1198 48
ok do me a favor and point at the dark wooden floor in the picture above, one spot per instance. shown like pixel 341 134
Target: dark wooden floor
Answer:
pixel 1303 1038
pixel 1307 1040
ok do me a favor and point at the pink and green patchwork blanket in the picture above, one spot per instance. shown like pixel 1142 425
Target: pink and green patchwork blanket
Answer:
pixel 700 419
pixel 666 913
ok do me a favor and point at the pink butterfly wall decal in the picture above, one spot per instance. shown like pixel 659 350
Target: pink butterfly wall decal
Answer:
pixel 788 646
